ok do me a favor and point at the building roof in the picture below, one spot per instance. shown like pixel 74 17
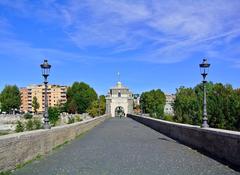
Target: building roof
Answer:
pixel 119 85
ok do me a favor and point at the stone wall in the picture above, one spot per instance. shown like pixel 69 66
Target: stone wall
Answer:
pixel 8 122
pixel 21 147
pixel 221 144
pixel 9 118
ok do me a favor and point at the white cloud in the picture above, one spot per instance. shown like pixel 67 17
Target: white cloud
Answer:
pixel 162 31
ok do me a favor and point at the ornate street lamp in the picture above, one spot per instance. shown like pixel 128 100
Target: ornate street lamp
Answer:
pixel 204 67
pixel 45 73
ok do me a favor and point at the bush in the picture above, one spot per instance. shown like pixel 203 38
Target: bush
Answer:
pixel 71 120
pixel 54 114
pixel 28 116
pixel 168 118
pixel 19 127
pixel 78 118
pixel 37 124
pixel 29 125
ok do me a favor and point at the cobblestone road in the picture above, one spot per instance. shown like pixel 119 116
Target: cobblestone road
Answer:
pixel 122 147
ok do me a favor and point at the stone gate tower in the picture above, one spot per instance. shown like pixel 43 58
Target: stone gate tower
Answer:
pixel 119 101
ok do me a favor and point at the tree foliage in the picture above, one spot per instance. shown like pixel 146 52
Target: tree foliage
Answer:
pixel 79 97
pixel 223 106
pixel 35 104
pixel 97 107
pixel 186 106
pixel 10 98
pixel 37 124
pixel 29 125
pixel 53 114
pixel 20 126
pixel 153 102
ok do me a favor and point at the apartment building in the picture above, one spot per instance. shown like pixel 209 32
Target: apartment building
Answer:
pixel 24 99
pixel 56 96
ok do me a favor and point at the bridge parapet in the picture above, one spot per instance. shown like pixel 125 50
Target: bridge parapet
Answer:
pixel 221 144
pixel 19 148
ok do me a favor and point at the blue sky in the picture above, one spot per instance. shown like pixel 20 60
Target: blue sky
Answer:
pixel 152 43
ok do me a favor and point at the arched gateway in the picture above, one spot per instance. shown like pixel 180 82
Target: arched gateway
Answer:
pixel 119 101
pixel 119 112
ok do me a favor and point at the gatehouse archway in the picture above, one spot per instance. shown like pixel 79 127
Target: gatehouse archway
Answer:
pixel 119 111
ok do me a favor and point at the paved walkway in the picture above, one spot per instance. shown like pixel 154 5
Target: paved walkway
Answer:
pixel 122 147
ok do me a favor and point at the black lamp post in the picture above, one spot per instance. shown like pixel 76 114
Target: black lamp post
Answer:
pixel 204 67
pixel 45 73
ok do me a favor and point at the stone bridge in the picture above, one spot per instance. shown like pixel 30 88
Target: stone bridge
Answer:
pixel 125 146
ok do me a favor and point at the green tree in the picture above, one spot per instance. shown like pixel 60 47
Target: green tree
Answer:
pixel 236 110
pixel 102 103
pixel 10 98
pixel 93 109
pixel 0 104
pixel 35 104
pixel 71 106
pixel 153 102
pixel 79 97
pixel 53 114
pixel 186 106
pixel 62 107
pixel 97 107
pixel 223 106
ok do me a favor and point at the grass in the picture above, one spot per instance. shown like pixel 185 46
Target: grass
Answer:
pixel 66 142
pixel 60 146
pixel 6 173
pixel 38 157
pixel 81 135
